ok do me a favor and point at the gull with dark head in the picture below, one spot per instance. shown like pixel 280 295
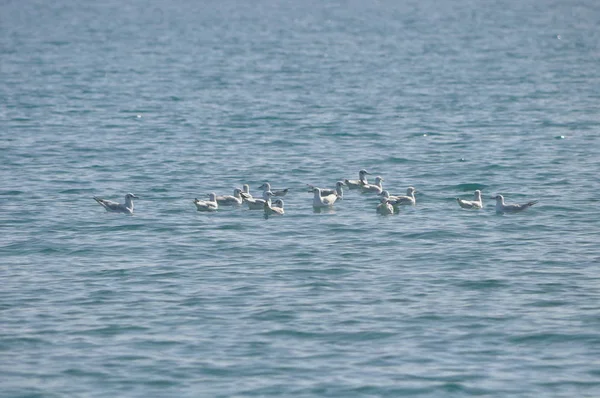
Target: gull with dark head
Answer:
pixel 501 207
pixel 115 207
pixel 356 184
pixel 207 205
pixel 476 203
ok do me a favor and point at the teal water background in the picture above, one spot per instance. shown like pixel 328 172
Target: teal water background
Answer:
pixel 173 100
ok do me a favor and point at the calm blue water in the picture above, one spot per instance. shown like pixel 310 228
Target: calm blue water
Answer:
pixel 173 100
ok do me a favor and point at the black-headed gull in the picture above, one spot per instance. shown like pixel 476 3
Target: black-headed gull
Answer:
pixel 109 205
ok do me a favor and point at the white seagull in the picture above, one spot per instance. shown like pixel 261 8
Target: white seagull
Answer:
pixel 323 201
pixel 275 210
pixel 338 190
pixel 278 192
pixel 409 199
pixel 207 205
pixel 501 207
pixel 477 203
pixel 377 187
pixel 246 190
pixel 231 200
pixel 362 180
pixel 385 207
pixel 258 204
pixel 109 205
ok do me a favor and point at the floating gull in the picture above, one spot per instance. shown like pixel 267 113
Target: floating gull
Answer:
pixel 229 200
pixel 277 192
pixel 338 190
pixel 362 180
pixel 256 203
pixel 246 191
pixel 409 199
pixel 207 205
pixel 385 207
pixel 109 205
pixel 376 188
pixel 477 203
pixel 323 201
pixel 275 210
pixel 504 208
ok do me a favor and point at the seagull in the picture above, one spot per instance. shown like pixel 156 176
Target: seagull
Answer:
pixel 275 210
pixel 471 204
pixel 362 180
pixel 504 208
pixel 207 205
pixel 409 199
pixel 258 204
pixel 229 200
pixel 246 190
pixel 109 205
pixel 323 201
pixel 279 192
pixel 377 187
pixel 325 192
pixel 385 207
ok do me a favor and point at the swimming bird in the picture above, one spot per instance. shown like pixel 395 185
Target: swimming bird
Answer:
pixel 323 201
pixel 231 200
pixel 277 192
pixel 376 188
pixel 477 203
pixel 362 180
pixel 115 207
pixel 207 205
pixel 338 190
pixel 501 207
pixel 276 209
pixel 246 190
pixel 256 203
pixel 385 207
pixel 409 199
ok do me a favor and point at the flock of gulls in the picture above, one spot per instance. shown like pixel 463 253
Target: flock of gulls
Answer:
pixel 271 203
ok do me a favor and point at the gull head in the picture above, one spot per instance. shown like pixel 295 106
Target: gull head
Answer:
pixel 499 198
pixel 378 179
pixel 410 191
pixel 131 196
pixel 212 196
pixel 278 202
pixel 477 194
pixel 363 172
pixel 385 194
pixel 340 184
pixel 266 186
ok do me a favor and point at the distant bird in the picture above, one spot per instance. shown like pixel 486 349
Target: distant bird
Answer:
pixel 477 203
pixel 256 203
pixel 356 184
pixel 385 207
pixel 323 201
pixel 338 190
pixel 231 200
pixel 207 205
pixel 246 191
pixel 276 209
pixel 276 192
pixel 376 188
pixel 409 199
pixel 501 207
pixel 115 207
